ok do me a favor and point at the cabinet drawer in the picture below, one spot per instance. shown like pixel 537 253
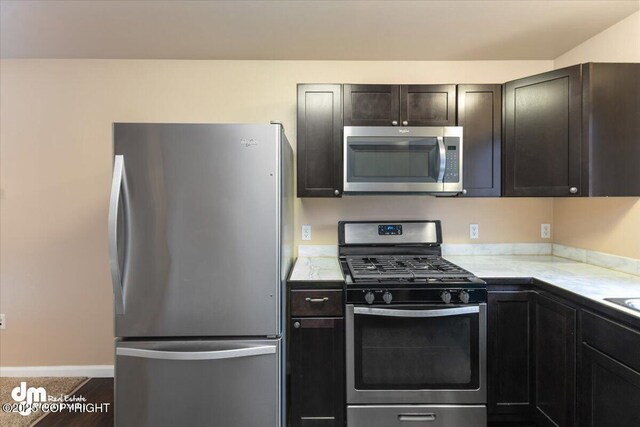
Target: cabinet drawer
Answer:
pixel 417 415
pixel 612 339
pixel 316 303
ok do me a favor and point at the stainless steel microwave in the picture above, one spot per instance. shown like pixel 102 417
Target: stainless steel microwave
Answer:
pixel 403 160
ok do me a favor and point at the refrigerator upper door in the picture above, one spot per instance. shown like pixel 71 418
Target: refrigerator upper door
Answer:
pixel 198 383
pixel 196 240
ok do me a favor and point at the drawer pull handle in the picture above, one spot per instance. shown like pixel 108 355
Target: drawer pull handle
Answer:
pixel 417 417
pixel 325 299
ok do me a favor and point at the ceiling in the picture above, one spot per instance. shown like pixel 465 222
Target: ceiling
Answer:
pixel 310 30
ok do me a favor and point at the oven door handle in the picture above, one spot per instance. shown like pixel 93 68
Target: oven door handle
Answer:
pixel 389 312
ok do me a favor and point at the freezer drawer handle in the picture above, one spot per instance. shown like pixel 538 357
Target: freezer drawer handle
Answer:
pixel 421 418
pixel 119 182
pixel 317 299
pixel 196 355
pixel 416 313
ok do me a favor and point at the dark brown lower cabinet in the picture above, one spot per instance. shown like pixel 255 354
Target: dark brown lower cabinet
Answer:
pixel 509 355
pixel 610 391
pixel 609 380
pixel 554 362
pixel 316 368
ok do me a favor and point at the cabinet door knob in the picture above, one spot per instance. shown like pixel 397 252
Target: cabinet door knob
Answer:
pixel 404 123
pixel 336 192
pixel 296 325
pixel 464 191
pixel 573 190
pixel 395 123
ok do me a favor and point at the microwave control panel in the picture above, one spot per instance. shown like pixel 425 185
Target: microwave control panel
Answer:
pixel 452 170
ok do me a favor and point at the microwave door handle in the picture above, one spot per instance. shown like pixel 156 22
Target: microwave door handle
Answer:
pixel 443 158
pixel 457 311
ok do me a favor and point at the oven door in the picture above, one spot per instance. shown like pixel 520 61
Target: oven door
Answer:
pixel 416 354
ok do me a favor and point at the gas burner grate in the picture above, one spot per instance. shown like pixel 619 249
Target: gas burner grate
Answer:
pixel 403 267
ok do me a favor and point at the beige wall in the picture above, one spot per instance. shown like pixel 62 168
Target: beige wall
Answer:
pixel 610 225
pixel 618 43
pixel 55 135
pixel 602 224
pixel 501 220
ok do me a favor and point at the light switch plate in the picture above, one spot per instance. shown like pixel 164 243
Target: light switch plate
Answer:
pixel 545 231
pixel 306 232
pixel 474 231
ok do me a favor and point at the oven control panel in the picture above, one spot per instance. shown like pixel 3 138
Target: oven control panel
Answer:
pixel 390 230
pixel 380 296
pixel 452 169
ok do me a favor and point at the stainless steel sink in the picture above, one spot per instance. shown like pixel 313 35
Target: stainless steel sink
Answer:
pixel 632 303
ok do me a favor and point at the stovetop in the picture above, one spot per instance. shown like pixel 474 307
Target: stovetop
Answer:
pixel 390 267
pixel 400 262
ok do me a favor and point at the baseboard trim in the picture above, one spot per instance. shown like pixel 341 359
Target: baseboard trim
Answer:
pixel 91 371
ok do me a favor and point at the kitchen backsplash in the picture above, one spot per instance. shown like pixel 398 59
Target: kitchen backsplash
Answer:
pixel 601 259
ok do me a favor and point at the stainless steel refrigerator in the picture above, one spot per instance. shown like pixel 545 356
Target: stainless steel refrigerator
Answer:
pixel 200 242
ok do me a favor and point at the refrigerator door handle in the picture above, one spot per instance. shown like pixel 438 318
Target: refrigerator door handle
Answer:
pixel 114 264
pixel 196 355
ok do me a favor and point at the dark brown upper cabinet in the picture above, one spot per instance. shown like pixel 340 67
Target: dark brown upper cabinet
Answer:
pixel 371 105
pixel 428 105
pixel 573 132
pixel 319 140
pixel 399 105
pixel 480 114
pixel 611 128
pixel 543 134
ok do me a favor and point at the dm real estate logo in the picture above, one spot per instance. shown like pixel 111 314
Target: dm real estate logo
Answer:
pixel 29 396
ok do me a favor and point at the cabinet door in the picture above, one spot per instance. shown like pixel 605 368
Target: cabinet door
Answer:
pixel 610 126
pixel 609 373
pixel 428 105
pixel 371 105
pixel 509 349
pixel 543 134
pixel 554 363
pixel 316 347
pixel 610 391
pixel 319 145
pixel 480 114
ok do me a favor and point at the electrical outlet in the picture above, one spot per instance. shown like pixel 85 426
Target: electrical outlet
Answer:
pixel 545 231
pixel 306 232
pixel 474 231
pixel 3 322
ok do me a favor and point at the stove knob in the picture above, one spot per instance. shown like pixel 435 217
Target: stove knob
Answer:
pixel 387 297
pixel 369 297
pixel 446 297
pixel 464 297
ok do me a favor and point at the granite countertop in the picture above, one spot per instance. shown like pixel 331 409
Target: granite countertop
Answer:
pixel 316 269
pixel 589 281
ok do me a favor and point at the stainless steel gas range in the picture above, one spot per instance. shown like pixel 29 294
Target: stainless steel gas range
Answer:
pixel 415 329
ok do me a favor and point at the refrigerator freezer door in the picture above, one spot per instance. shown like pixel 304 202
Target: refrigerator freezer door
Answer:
pixel 198 383
pixel 197 230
